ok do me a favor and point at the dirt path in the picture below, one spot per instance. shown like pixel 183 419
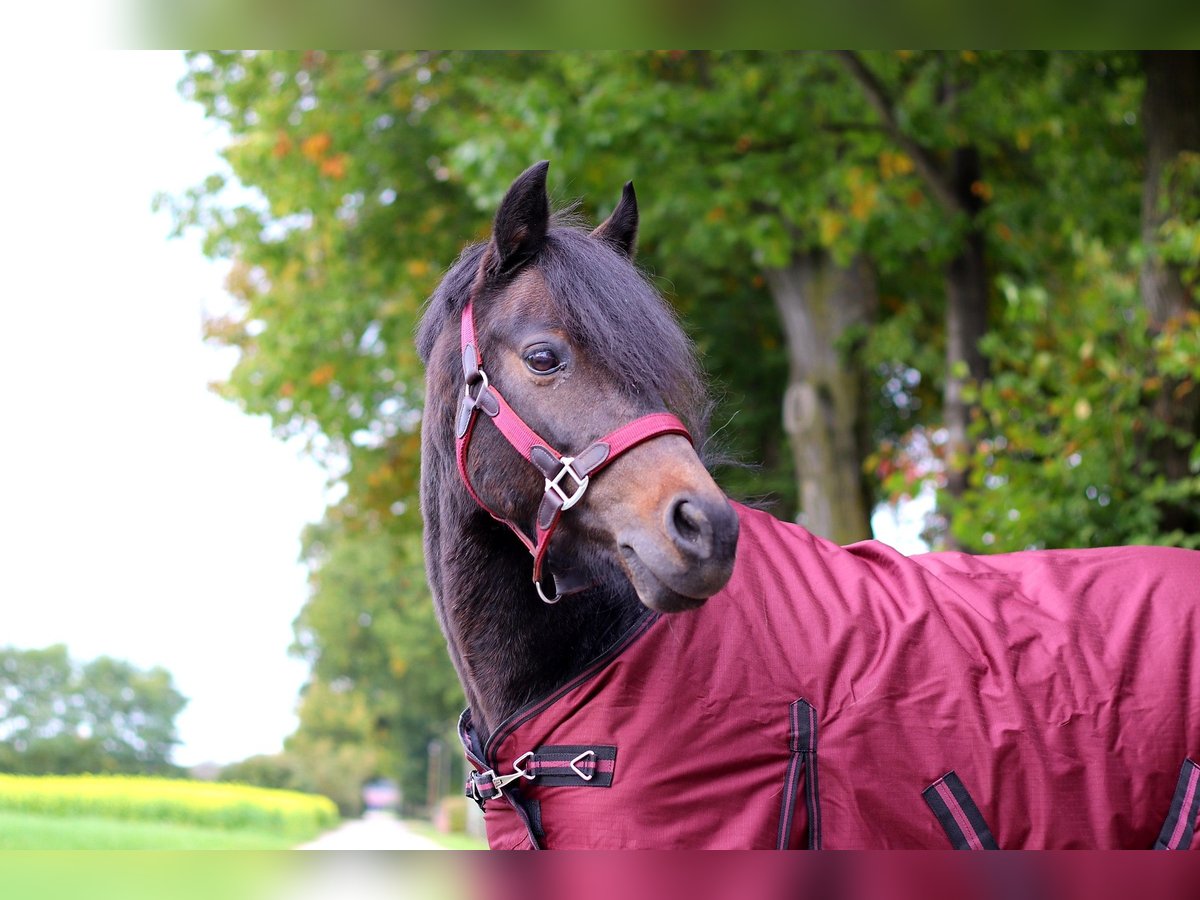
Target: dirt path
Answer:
pixel 375 831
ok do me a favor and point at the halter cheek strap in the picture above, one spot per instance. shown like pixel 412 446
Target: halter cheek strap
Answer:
pixel 567 477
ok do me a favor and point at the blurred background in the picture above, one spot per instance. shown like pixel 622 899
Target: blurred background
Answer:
pixel 948 300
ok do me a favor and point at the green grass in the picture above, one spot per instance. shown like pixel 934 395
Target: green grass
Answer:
pixel 30 831
pixel 456 841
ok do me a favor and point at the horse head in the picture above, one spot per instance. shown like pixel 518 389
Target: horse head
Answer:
pixel 577 344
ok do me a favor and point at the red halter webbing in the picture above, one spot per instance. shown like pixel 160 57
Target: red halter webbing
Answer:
pixel 567 477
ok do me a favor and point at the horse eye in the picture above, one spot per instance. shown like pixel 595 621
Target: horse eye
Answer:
pixel 543 360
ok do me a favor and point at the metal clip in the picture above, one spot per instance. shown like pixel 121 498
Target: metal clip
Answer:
pixel 499 782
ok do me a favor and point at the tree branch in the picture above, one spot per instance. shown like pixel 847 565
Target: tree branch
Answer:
pixel 391 76
pixel 923 161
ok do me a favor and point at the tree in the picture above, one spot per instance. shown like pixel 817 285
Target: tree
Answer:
pixel 758 197
pixel 923 178
pixel 1083 381
pixel 269 770
pixel 878 197
pixel 328 274
pixel 889 248
pixel 58 716
pixel 953 178
pixel 349 223
pixel 381 679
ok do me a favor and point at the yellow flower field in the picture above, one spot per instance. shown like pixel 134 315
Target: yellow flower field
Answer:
pixel 214 805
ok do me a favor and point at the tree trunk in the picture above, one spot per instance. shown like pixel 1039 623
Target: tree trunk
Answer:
pixel 1171 121
pixel 956 192
pixel 823 408
pixel 966 321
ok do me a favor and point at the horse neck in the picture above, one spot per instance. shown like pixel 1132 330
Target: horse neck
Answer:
pixel 508 646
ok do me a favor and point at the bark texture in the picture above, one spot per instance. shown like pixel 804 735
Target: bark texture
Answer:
pixel 824 408
pixel 1171 120
pixel 966 319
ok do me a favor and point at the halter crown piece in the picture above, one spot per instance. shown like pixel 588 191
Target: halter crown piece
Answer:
pixel 567 477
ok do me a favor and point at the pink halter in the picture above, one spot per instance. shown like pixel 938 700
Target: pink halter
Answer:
pixel 567 477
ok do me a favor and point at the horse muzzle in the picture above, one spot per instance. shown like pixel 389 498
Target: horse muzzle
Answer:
pixel 686 559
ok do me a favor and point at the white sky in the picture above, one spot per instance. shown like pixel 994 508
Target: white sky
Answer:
pixel 140 515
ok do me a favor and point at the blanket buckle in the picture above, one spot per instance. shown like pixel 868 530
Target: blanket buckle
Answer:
pixel 586 754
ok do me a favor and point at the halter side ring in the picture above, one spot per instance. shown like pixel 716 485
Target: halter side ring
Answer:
pixel 541 593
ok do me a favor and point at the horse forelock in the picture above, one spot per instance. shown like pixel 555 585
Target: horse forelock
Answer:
pixel 448 299
pixel 607 307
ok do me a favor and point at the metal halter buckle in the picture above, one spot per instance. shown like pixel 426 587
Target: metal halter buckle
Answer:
pixel 552 484
pixel 482 381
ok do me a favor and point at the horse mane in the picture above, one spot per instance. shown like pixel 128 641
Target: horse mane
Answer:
pixel 478 575
pixel 608 306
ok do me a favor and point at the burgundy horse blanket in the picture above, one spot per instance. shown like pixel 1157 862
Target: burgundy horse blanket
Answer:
pixel 851 697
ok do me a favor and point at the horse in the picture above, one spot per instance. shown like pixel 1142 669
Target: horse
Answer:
pixel 678 663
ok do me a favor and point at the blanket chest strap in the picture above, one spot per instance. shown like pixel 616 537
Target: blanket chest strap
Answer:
pixel 960 818
pixel 802 741
pixel 1180 825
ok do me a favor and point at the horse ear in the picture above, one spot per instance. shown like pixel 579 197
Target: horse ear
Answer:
pixel 519 230
pixel 619 230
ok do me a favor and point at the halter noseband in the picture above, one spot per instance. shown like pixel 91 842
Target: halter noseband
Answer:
pixel 567 477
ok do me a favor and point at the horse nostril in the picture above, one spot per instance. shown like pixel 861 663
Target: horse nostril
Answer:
pixel 686 524
pixel 690 528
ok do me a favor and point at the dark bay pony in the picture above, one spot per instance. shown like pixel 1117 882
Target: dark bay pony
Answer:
pixel 650 665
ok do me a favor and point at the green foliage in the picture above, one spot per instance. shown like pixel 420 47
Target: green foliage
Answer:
pixel 451 814
pixel 58 716
pixel 743 160
pixel 278 771
pixel 362 174
pixel 1068 415
pixel 347 223
pixel 374 166
pixel 336 769
pixel 1180 233
pixel 341 235
pixel 381 675
pixel 30 831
